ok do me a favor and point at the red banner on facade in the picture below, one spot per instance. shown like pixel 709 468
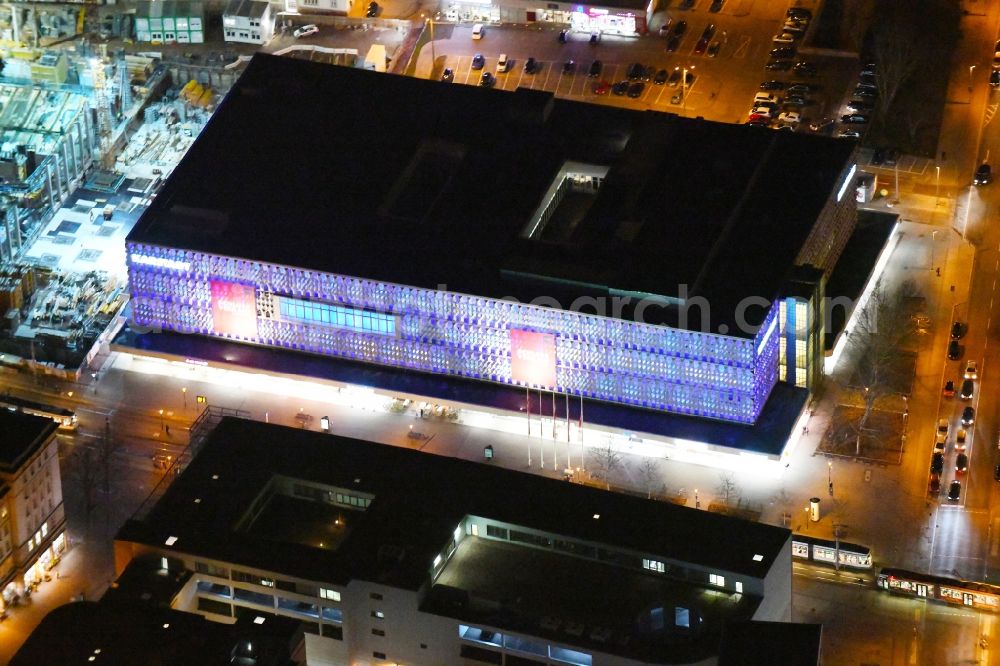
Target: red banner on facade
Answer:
pixel 234 309
pixel 533 358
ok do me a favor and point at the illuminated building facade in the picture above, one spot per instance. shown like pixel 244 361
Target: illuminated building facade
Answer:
pixel 403 258
pixel 658 367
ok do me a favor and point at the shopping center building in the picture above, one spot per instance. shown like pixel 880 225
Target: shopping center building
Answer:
pixel 612 17
pixel 626 257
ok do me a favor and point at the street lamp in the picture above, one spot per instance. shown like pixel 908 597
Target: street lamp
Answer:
pixel 162 424
pixel 937 186
pixel 684 80
pixel 184 392
pixel 972 68
pixel 430 21
pixel 829 475
pixel 697 504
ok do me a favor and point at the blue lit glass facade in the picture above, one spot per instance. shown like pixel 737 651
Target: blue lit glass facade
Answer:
pixel 644 365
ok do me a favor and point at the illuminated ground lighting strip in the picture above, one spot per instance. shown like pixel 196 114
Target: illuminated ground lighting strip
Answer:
pixel 847 181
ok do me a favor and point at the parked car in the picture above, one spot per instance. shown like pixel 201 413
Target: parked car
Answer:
pixel 569 67
pixel 487 80
pixel 949 389
pixel 996 473
pixel 971 370
pixel 478 61
pixel 680 28
pixel 448 75
pixel 854 119
pixel 661 77
pixel 772 85
pixel 984 174
pixel 713 48
pixel 954 350
pixel 995 78
pixel 372 10
pixel 675 77
pixel 306 30
pixel 783 52
pixel 957 330
pixel 968 388
pixel 960 438
pixel 716 6
pixel 806 68
pixel 778 65
pixel 636 72
pixel 937 463
pixel 601 88
pixel 942 426
pixel 635 90
pixel 968 416
pixel 673 43
pixel 595 69
pixel 940 442
pixel 619 88
pixel 859 105
pixel 530 66
pixel 791 117
pixel 955 490
pixel 503 64
pixel 934 484
pixel 563 36
pixel 478 30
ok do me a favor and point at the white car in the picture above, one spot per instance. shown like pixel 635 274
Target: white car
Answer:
pixel 783 38
pixel 764 97
pixel 970 370
pixel 791 117
pixel 306 30
pixel 761 111
pixel 942 426
pixel 941 442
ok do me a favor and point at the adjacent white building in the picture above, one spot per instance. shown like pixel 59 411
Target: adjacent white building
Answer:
pixel 391 556
pixel 247 21
pixel 318 6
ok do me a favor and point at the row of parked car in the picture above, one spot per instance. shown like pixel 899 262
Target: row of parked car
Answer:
pixel 943 431
pixel 781 104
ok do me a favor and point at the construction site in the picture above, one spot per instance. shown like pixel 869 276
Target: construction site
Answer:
pixel 88 132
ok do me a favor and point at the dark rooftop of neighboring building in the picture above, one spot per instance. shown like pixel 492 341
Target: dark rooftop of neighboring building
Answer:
pixel 767 436
pixel 419 498
pixel 770 644
pixel 128 635
pixel 425 183
pixel 22 435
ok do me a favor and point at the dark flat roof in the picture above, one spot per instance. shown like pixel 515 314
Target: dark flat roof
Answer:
pixel 129 635
pixel 771 644
pixel 767 436
pixel 425 183
pixel 23 434
pixel 419 499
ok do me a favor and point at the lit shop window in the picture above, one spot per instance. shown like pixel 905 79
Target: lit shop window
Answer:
pixel 353 319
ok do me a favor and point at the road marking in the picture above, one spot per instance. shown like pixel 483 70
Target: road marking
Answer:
pixel 744 47
pixel 991 111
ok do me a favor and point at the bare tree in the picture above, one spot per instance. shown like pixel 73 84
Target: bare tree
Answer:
pixel 606 461
pixel 783 500
pixel 881 329
pixel 649 472
pixel 107 447
pixel 87 473
pixel 727 487
pixel 898 56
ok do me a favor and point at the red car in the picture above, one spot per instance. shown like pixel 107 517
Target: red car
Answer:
pixel 700 47
pixel 934 485
pixel 949 389
pixel 601 88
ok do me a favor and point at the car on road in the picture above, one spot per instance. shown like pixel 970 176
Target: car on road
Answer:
pixel 569 67
pixel 478 30
pixel 305 31
pixel 984 174
pixel 806 68
pixel 619 88
pixel 601 87
pixel 955 490
pixel 854 119
pixel 949 389
pixel 713 48
pixel 968 388
pixel 960 438
pixel 372 10
pixel 635 90
pixel 530 65
pixel 937 463
pixel 961 463
pixel 934 484
pixel 673 43
pixel 968 416
pixel 778 65
pixel 772 85
pixel 942 426
pixel 448 75
pixel 971 371
pixel 954 350
pixel 595 69
pixel 661 77
pixel 940 442
pixel 478 61
pixel 487 80
pixel 957 330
